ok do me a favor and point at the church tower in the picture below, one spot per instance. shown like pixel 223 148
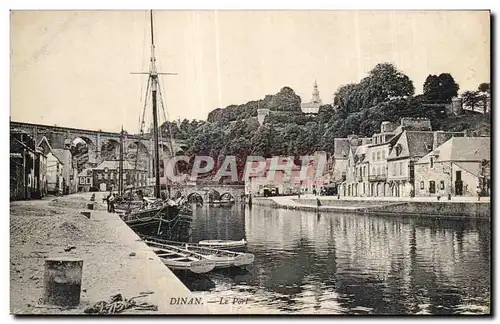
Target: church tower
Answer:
pixel 315 95
pixel 313 106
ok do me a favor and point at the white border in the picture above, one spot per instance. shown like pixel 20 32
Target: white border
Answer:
pixel 186 4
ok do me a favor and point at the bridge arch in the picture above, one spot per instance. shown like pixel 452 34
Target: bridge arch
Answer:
pixel 83 151
pixel 138 153
pixel 227 196
pixel 213 194
pixel 195 197
pixel 110 149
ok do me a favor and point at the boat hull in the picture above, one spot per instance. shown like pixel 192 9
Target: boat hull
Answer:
pixel 221 258
pixel 225 245
pixel 201 266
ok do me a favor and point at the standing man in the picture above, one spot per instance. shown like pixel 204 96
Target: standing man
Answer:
pixel 108 201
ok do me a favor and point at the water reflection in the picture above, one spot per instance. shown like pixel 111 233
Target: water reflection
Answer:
pixel 345 263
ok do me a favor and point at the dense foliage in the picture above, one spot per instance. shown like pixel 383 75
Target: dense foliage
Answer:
pixel 358 108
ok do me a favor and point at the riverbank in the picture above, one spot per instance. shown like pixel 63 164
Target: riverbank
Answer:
pixel 115 261
pixel 461 208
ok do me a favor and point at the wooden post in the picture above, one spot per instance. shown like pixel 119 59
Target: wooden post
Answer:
pixel 62 281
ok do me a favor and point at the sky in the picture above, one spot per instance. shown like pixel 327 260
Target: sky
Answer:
pixel 72 68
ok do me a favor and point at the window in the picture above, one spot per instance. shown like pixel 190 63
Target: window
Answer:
pixel 378 156
pixel 394 169
pixel 400 168
pixel 378 170
pixel 422 185
pixel 373 156
pixel 88 180
pixel 432 162
pixel 383 155
pixel 99 176
pixel 441 185
pixel 397 172
pixel 105 176
pixel 432 187
pixel 82 180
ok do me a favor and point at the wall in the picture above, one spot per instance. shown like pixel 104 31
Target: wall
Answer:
pixel 471 210
pixel 416 123
pixel 398 169
pixel 441 172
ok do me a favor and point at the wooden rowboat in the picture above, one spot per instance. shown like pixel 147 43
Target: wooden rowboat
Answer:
pixel 222 258
pixel 184 260
pixel 224 244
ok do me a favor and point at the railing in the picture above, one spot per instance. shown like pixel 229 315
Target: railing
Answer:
pixel 378 177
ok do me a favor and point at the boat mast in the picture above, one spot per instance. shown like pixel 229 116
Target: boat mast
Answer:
pixel 153 81
pixel 154 87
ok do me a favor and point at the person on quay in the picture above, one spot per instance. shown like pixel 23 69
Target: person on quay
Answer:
pixel 112 200
pixel 107 201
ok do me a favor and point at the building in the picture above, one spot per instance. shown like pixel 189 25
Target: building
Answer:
pixel 312 107
pixel 377 159
pixel 105 176
pixel 272 179
pixel 22 165
pixel 457 167
pixel 70 173
pixel 85 180
pixel 410 147
pixel 54 183
pixel 40 180
pixel 355 163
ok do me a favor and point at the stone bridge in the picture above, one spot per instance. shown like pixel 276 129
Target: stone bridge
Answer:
pixel 101 144
pixel 204 190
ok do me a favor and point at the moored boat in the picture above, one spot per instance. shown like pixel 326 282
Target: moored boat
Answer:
pixel 184 260
pixel 224 244
pixel 222 258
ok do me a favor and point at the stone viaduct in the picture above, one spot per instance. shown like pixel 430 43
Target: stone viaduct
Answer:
pixel 97 141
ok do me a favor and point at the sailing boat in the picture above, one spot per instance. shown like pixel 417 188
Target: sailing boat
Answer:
pixel 153 214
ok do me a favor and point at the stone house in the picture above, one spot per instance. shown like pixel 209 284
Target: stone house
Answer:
pixel 85 180
pixel 410 147
pixel 457 167
pixel 54 168
pixel 22 165
pixel 105 176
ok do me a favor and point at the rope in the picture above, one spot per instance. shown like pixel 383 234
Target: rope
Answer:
pixel 118 304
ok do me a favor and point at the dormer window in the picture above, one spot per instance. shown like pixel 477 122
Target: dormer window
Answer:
pixel 398 149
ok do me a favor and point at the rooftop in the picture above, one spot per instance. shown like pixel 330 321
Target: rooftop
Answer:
pixel 463 149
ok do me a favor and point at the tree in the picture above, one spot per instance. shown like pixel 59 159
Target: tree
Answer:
pixel 432 88
pixel 471 99
pixel 386 82
pixel 484 87
pixel 448 87
pixel 484 95
pixel 440 88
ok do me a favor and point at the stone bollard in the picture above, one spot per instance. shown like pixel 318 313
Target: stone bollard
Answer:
pixel 90 206
pixel 86 214
pixel 62 281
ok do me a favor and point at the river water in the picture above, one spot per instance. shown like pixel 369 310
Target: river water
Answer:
pixel 308 262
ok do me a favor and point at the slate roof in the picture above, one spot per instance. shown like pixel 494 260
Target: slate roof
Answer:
pixel 461 149
pixel 413 144
pixel 419 142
